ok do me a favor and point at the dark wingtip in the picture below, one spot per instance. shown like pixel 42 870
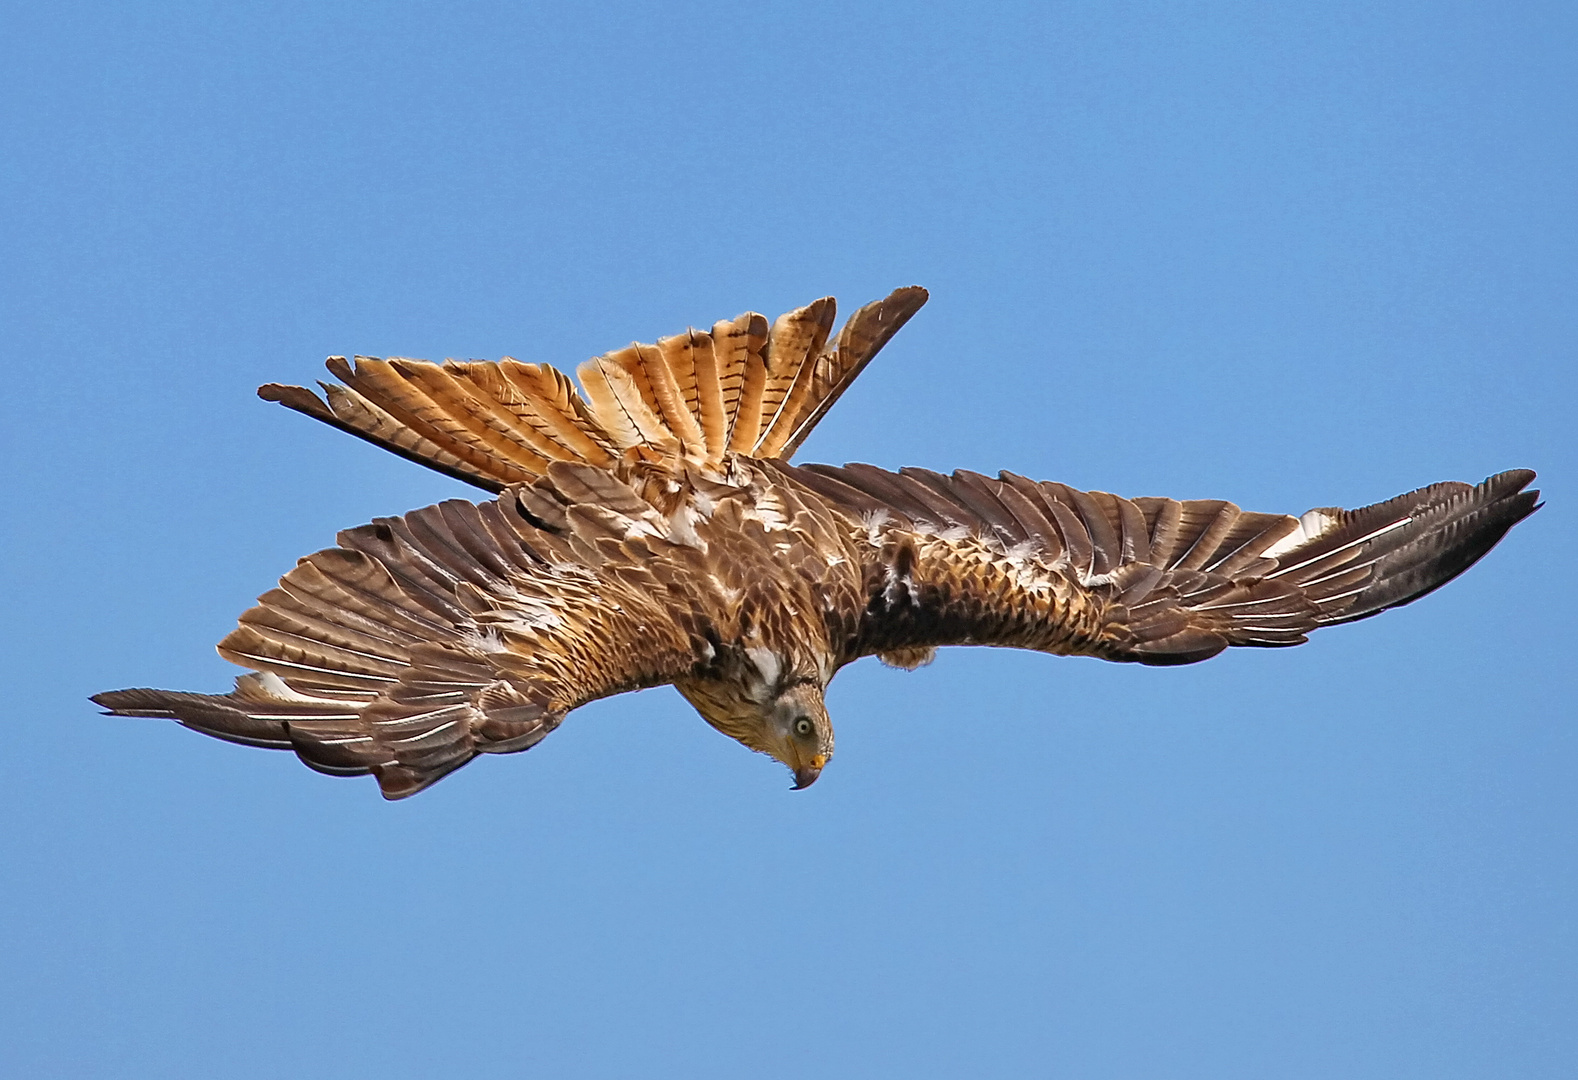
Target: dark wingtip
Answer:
pixel 1444 540
pixel 135 702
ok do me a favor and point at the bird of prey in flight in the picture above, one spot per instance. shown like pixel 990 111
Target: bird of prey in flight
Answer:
pixel 649 529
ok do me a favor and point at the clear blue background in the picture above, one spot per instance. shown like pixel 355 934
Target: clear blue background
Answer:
pixel 1292 255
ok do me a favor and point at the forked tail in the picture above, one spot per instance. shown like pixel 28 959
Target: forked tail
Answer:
pixel 744 387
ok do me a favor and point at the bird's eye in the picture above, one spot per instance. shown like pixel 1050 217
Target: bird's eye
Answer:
pixel 803 727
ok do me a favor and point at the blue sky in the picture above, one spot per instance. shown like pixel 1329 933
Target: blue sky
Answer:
pixel 1291 255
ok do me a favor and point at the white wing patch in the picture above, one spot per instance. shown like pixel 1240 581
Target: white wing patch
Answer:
pixel 1311 525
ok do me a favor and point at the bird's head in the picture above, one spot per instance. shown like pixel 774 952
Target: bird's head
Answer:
pixel 784 718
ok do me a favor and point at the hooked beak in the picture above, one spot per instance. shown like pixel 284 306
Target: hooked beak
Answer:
pixel 806 776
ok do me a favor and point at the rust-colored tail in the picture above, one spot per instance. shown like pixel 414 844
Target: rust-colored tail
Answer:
pixel 744 387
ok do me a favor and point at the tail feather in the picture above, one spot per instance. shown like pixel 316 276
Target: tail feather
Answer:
pixel 665 376
pixel 396 387
pixel 836 367
pixel 618 401
pixel 543 399
pixel 355 415
pixel 737 347
pixel 745 415
pixel 745 387
pixel 483 423
pixel 793 345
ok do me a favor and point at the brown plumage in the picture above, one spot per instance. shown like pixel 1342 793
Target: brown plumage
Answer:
pixel 653 532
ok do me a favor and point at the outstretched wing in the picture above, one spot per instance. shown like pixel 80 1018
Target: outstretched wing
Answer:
pixel 965 559
pixel 460 629
pixel 744 387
